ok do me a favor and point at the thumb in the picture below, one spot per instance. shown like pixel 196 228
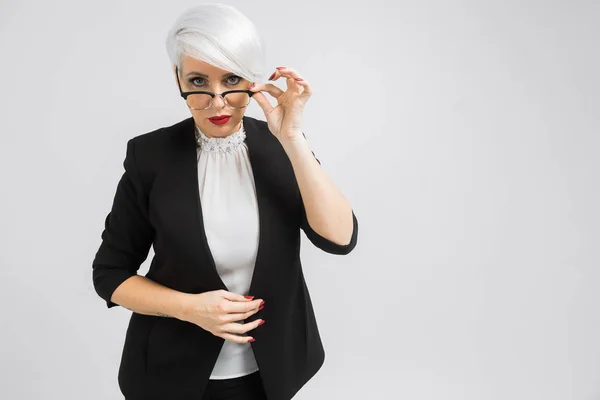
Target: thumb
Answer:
pixel 234 296
pixel 263 102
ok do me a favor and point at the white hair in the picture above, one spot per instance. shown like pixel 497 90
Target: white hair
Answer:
pixel 220 35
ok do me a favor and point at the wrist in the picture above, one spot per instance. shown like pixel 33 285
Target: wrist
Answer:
pixel 296 147
pixel 182 306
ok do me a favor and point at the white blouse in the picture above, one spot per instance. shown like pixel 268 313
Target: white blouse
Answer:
pixel 230 212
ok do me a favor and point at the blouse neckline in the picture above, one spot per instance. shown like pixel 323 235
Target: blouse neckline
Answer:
pixel 225 144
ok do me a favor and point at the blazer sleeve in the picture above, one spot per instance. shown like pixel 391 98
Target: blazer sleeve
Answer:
pixel 127 234
pixel 322 242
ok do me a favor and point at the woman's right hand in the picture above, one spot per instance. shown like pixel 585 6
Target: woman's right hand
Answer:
pixel 216 312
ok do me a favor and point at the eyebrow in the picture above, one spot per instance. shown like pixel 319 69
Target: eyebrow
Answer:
pixel 206 76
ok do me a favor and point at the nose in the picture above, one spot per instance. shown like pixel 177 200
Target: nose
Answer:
pixel 218 101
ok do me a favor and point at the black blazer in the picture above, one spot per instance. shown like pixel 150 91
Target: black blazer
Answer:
pixel 157 203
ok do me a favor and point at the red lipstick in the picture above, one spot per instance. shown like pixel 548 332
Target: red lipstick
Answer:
pixel 220 119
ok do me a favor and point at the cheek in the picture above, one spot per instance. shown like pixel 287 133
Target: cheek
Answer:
pixel 199 116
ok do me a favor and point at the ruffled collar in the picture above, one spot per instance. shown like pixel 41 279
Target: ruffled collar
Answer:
pixel 225 144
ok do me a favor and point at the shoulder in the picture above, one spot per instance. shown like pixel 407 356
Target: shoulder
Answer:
pixel 148 152
pixel 175 137
pixel 157 147
pixel 161 135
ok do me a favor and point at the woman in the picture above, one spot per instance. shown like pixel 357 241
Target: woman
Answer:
pixel 224 311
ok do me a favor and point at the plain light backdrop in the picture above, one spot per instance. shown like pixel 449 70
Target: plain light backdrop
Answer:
pixel 465 134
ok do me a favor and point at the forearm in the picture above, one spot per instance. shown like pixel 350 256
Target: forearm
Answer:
pixel 328 212
pixel 144 296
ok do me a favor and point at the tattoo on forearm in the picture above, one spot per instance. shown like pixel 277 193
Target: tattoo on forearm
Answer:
pixel 157 314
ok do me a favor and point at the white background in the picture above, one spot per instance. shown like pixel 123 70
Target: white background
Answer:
pixel 464 133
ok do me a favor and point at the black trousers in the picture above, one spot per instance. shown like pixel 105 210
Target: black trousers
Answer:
pixel 248 387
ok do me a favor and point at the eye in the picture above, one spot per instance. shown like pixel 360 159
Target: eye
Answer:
pixel 193 81
pixel 230 80
pixel 236 79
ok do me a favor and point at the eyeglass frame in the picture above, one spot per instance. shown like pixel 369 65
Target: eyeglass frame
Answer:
pixel 211 94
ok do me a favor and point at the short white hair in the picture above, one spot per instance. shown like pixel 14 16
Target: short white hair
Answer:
pixel 221 35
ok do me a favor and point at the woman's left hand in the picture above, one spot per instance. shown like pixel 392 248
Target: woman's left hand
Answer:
pixel 285 119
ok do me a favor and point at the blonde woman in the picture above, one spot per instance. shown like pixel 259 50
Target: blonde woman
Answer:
pixel 224 311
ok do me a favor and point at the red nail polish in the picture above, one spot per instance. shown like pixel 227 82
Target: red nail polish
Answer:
pixel 251 86
pixel 298 79
pixel 260 308
pixel 252 340
pixel 280 68
pixel 262 303
pixel 272 76
pixel 249 297
pixel 262 321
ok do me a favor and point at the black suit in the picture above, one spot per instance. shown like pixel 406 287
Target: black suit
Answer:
pixel 157 203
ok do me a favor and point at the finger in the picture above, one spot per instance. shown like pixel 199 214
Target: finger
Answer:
pixel 239 316
pixel 231 307
pixel 307 88
pixel 226 318
pixel 235 327
pixel 293 80
pixel 232 296
pixel 266 87
pixel 263 102
pixel 286 72
pixel 236 339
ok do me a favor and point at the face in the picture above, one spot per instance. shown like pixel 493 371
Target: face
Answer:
pixel 199 75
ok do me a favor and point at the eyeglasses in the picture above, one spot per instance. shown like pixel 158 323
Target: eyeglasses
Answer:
pixel 202 100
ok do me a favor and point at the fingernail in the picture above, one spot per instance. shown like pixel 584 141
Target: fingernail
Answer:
pixel 262 303
pixel 249 297
pixel 251 86
pixel 252 340
pixel 260 308
pixel 272 76
pixel 280 68
pixel 262 321
pixel 298 79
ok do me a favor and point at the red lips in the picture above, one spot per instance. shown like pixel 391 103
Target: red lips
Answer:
pixel 218 117
pixel 220 120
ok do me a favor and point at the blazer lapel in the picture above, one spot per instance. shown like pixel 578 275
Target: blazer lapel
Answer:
pixel 258 143
pixel 259 147
pixel 187 210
